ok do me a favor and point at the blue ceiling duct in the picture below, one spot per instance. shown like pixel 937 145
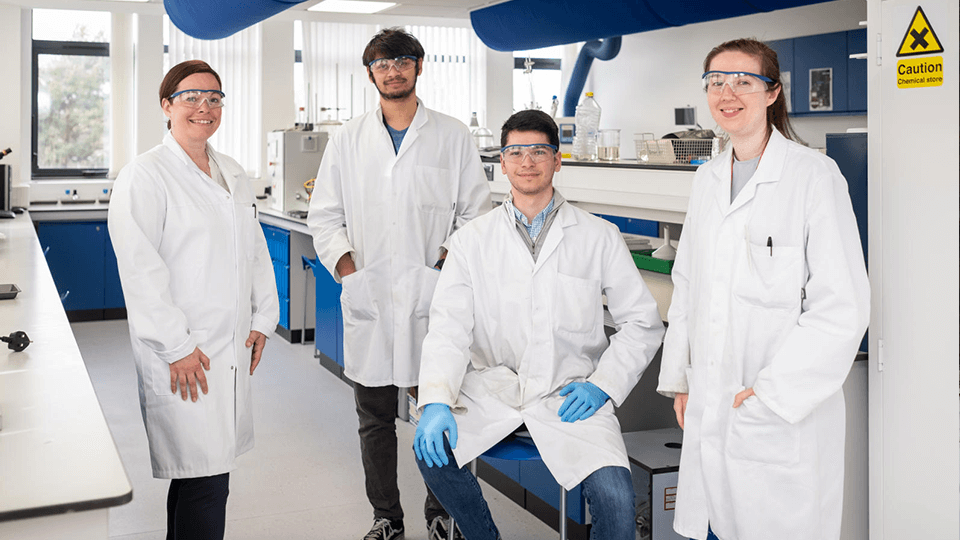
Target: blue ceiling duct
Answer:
pixel 531 24
pixel 217 19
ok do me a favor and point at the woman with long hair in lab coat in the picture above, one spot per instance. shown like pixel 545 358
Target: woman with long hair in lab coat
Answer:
pixel 770 302
pixel 201 300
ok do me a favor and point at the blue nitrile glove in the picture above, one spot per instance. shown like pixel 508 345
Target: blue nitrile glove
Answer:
pixel 428 442
pixel 583 399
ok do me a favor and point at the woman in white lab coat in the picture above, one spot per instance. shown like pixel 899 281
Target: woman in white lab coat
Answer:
pixel 200 296
pixel 770 303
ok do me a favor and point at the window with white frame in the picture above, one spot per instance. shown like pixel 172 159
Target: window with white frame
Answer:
pixel 71 93
pixel 534 87
pixel 237 60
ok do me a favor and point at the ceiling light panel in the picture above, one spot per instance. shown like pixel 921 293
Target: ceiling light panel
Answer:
pixel 351 6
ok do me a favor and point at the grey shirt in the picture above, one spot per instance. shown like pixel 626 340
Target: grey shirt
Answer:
pixel 742 172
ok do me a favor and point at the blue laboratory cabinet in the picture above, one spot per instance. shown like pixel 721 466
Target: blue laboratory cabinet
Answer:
pixel 848 81
pixel 329 315
pixel 849 150
pixel 295 285
pixel 278 243
pixel 84 268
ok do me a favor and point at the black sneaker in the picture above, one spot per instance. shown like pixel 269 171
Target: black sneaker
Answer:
pixel 384 529
pixel 437 529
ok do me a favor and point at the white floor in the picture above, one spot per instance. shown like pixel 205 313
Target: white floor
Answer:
pixel 303 479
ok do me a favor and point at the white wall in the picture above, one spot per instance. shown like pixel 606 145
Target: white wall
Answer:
pixel 12 92
pixel 277 81
pixel 658 71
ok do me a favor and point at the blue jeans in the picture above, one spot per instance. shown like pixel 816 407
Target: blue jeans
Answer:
pixel 609 491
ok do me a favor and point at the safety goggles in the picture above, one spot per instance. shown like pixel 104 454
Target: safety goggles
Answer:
pixel 739 82
pixel 538 153
pixel 402 63
pixel 194 98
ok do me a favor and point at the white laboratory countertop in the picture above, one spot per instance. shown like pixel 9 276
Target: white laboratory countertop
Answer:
pixel 653 192
pixel 69 211
pixel 280 219
pixel 56 453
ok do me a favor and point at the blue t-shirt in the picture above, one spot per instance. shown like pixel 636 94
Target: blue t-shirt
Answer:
pixel 396 135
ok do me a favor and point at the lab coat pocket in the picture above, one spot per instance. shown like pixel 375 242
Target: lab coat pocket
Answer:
pixel 435 190
pixel 160 370
pixel 772 278
pixel 355 298
pixel 428 283
pixel 758 434
pixel 579 304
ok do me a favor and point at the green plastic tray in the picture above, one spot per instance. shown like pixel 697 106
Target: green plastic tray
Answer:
pixel 644 261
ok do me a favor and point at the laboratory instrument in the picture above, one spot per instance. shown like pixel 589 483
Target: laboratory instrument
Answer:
pixel 567 127
pixel 293 158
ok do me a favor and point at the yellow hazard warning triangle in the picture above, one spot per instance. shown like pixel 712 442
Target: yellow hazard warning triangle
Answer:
pixel 919 37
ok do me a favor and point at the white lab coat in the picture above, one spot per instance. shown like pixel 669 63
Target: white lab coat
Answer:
pixel 785 320
pixel 195 272
pixel 507 334
pixel 392 212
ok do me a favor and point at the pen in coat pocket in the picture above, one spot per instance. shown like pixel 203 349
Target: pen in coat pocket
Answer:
pixel 770 244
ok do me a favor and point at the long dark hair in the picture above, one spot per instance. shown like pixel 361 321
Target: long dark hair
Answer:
pixel 180 72
pixel 769 67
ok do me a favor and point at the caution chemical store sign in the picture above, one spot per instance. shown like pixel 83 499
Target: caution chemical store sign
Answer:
pixel 919 39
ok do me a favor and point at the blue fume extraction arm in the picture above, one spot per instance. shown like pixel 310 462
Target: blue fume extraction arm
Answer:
pixel 605 50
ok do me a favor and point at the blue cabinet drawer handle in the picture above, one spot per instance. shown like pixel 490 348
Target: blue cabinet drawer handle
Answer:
pixel 64 296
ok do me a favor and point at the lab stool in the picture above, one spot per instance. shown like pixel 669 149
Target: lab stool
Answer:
pixel 520 449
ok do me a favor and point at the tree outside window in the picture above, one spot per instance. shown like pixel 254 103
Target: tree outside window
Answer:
pixel 71 108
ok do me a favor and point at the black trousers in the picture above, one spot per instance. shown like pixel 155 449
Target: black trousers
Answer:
pixel 197 507
pixel 377 411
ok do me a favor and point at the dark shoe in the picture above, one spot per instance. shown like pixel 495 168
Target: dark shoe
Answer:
pixel 437 529
pixel 384 529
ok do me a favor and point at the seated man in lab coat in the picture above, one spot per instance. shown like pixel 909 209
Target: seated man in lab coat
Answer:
pixel 516 338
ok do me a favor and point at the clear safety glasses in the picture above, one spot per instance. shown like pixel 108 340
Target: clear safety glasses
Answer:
pixel 538 153
pixel 739 82
pixel 402 63
pixel 193 98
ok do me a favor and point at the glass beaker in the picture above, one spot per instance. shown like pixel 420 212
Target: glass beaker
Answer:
pixel 608 144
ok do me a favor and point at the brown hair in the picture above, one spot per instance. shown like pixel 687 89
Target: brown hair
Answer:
pixel 180 72
pixel 769 67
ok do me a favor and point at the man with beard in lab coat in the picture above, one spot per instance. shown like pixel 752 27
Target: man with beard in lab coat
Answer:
pixel 516 337
pixel 393 184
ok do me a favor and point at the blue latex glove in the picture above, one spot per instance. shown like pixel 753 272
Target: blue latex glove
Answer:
pixel 583 399
pixel 428 442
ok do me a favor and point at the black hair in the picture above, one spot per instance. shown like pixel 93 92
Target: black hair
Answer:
pixel 391 43
pixel 531 120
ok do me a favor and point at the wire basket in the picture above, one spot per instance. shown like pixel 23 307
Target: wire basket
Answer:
pixel 677 151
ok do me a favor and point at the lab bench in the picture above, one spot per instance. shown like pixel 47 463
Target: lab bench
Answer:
pixel 59 464
pixel 289 241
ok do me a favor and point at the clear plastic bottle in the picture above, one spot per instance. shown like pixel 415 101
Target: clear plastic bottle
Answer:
pixel 588 123
pixel 474 126
pixel 554 106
